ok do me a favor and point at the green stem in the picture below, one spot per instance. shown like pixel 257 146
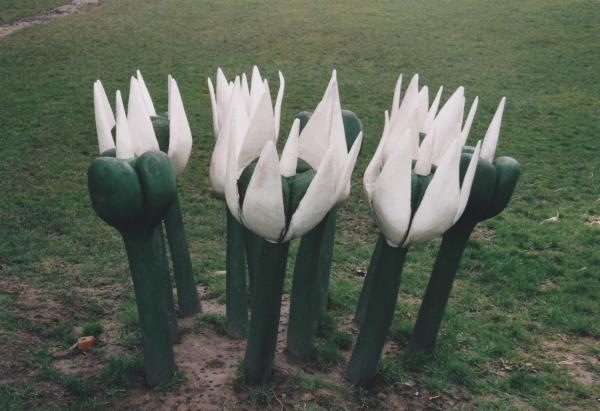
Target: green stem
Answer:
pixel 252 243
pixel 144 251
pixel 434 302
pixel 325 257
pixel 187 294
pixel 365 292
pixel 304 311
pixel 171 313
pixel 380 312
pixel 264 323
pixel 235 280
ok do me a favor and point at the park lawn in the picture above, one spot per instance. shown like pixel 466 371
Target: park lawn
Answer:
pixel 522 328
pixel 13 10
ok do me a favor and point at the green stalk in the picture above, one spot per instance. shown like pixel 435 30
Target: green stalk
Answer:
pixel 365 292
pixel 252 244
pixel 306 292
pixel 144 251
pixel 264 323
pixel 235 280
pixel 187 294
pixel 434 303
pixel 380 312
pixel 171 313
pixel 325 257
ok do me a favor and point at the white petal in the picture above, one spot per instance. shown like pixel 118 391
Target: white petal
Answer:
pixel 238 118
pixel 103 122
pixel 314 138
pixel 260 131
pixel 246 92
pixel 232 195
pixel 448 124
pixel 263 211
pixel 432 113
pixel 180 135
pixel 124 144
pixel 374 168
pixel 464 135
pixel 257 88
pixel 224 90
pixel 289 156
pixel 422 109
pixel 343 189
pixel 423 165
pixel 106 104
pixel 317 201
pixel 490 141
pixel 396 99
pixel 332 80
pixel 146 95
pixel 408 105
pixel 465 189
pixel 140 125
pixel 438 208
pixel 215 111
pixel 337 135
pixel 278 102
pixel 392 195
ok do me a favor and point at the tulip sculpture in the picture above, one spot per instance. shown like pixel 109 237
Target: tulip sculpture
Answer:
pixel 279 200
pixel 310 286
pixel 134 194
pixel 494 183
pixel 233 103
pixel 416 194
pixel 170 133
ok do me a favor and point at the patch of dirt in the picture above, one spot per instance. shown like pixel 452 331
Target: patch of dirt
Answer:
pixel 576 358
pixel 44 17
pixel 209 363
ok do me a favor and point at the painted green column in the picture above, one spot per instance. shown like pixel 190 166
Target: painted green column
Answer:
pixel 365 292
pixel 187 294
pixel 252 244
pixel 325 259
pixel 492 189
pixel 235 279
pixel 168 287
pixel 306 293
pixel 148 275
pixel 266 309
pixel 133 196
pixel 362 366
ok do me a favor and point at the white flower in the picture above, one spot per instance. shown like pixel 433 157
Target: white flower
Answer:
pixel 138 133
pixel 263 209
pixel 389 178
pixel 228 100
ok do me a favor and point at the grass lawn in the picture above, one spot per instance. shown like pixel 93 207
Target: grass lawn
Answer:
pixel 12 10
pixel 522 329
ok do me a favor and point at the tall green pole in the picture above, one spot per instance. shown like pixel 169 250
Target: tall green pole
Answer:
pixel 365 292
pixel 266 309
pixel 235 279
pixel 144 252
pixel 325 259
pixel 306 293
pixel 362 366
pixel 187 294
pixel 438 290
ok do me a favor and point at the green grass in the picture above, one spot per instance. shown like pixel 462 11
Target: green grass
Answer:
pixel 12 10
pixel 528 285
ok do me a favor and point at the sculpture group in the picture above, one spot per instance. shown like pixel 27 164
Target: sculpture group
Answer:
pixel 423 182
